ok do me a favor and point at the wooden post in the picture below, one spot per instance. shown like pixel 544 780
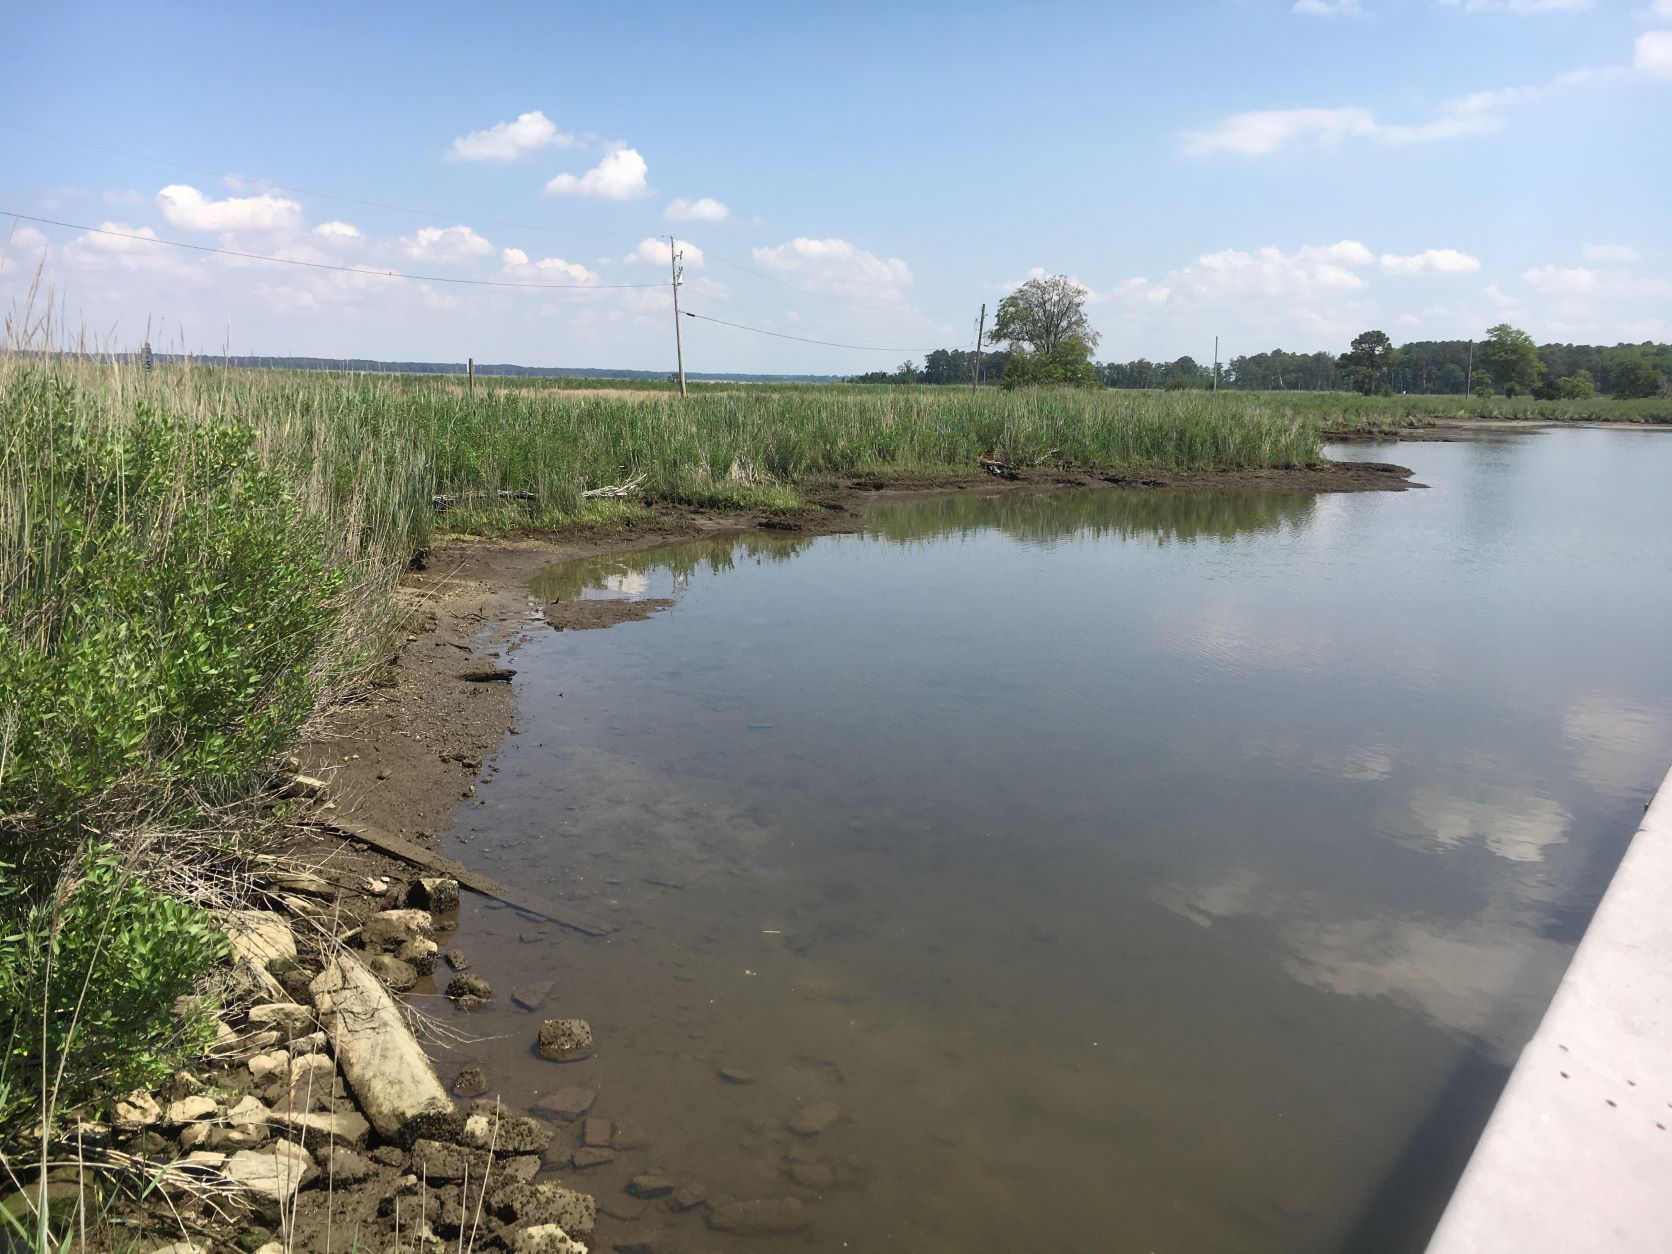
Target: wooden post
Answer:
pixel 980 333
pixel 678 332
pixel 470 375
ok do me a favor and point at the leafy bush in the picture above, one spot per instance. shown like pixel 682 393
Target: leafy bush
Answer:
pixel 165 605
pixel 88 979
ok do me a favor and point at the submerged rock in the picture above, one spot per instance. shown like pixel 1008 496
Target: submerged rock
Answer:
pixel 567 1104
pixel 814 1119
pixel 470 1083
pixel 760 1218
pixel 461 987
pixel 563 1040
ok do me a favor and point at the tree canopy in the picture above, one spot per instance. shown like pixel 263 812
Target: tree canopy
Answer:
pixel 1042 313
pixel 1511 358
pixel 1370 353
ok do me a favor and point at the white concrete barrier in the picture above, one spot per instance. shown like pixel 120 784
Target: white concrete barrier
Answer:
pixel 1577 1157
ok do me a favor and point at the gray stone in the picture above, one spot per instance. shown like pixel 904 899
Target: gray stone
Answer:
pixel 507 1134
pixel 470 1082
pixel 419 954
pixel 736 1075
pixel 596 1132
pixel 567 1104
pixel 456 959
pixel 435 893
pixel 759 1218
pixel 651 1186
pixel 270 1177
pixel 814 1119
pixel 191 1109
pixel 536 1204
pixel 137 1110
pixel 313 1083
pixel 435 1161
pixel 522 1167
pixel 286 1018
pixel 531 997
pixel 461 986
pixel 263 1066
pixel 564 1040
pixel 622 1208
pixel 315 1128
pixel 546 1239
pixel 687 1197
pixel 345 1166
pixel 390 929
pixel 812 1175
pixel 392 1078
pixel 591 1156
pixel 397 976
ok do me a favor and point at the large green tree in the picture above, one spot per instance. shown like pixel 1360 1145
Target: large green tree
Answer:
pixel 1067 364
pixel 1634 378
pixel 1367 357
pixel 1511 358
pixel 1041 314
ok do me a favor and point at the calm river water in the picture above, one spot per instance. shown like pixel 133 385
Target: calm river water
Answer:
pixel 1136 872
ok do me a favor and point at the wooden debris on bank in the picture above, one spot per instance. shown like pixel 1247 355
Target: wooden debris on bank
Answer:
pixel 574 918
pixel 614 490
pixel 997 466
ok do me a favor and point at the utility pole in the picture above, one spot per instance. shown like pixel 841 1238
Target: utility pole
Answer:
pixel 470 375
pixel 980 332
pixel 1216 363
pixel 1469 374
pixel 674 256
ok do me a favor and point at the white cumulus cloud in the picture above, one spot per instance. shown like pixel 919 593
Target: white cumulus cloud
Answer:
pixel 1431 261
pixel 547 269
pixel 835 265
pixel 186 207
pixel 1622 253
pixel 506 141
pixel 703 209
pixel 1329 8
pixel 619 176
pixel 1518 6
pixel 654 250
pixel 1565 280
pixel 337 230
pixel 446 243
pixel 1653 54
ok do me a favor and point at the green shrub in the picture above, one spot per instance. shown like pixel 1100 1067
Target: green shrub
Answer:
pixel 88 980
pixel 166 603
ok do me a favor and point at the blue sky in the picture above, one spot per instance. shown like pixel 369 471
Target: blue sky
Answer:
pixel 1276 173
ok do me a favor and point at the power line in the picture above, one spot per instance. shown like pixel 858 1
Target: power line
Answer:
pixel 801 339
pixel 303 191
pixel 323 265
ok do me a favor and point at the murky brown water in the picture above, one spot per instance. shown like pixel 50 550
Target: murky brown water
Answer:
pixel 1136 872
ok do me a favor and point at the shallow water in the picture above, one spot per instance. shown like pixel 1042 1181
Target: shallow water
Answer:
pixel 1142 872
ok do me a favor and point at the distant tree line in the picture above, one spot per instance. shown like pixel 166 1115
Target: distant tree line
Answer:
pixel 1049 341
